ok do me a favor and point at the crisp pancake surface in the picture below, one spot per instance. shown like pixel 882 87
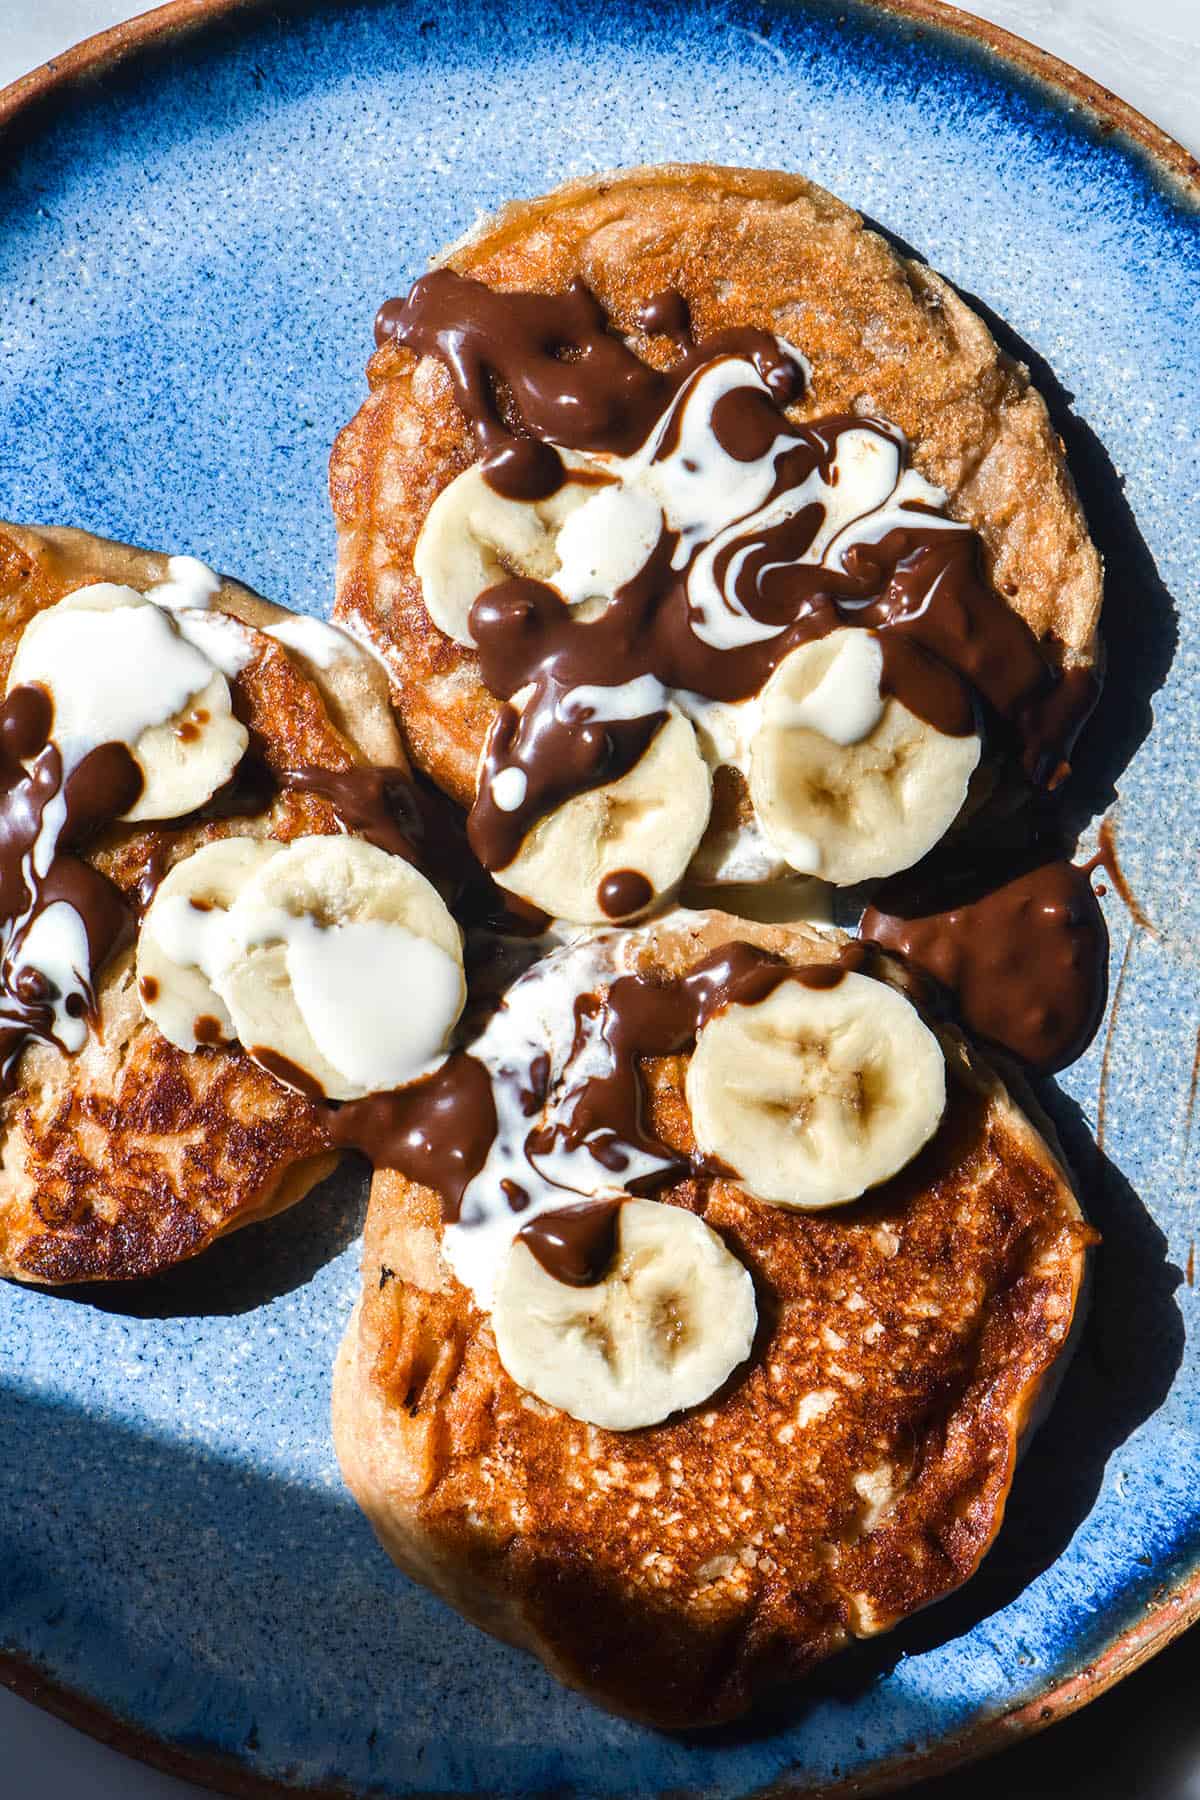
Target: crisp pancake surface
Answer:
pixel 854 1470
pixel 884 335
pixel 133 1154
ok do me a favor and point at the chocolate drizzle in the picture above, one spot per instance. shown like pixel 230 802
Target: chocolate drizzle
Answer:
pixel 38 869
pixel 568 379
pixel 535 371
pixel 623 893
pixel 437 1132
pixel 380 803
pixel 577 1245
pixel 1023 957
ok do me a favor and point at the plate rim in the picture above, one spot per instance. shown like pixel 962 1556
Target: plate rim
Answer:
pixel 1172 1611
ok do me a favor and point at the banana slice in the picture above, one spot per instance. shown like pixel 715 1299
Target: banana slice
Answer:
pixel 846 784
pixel 586 540
pixel 669 1323
pixel 183 942
pixel 473 537
pixel 344 970
pixel 119 670
pixel 817 1094
pixel 647 824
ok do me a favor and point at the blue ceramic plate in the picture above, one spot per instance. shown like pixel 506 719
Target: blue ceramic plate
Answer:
pixel 193 241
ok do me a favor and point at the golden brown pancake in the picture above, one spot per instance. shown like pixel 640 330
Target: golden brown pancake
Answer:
pixel 884 334
pixel 853 1471
pixel 133 1154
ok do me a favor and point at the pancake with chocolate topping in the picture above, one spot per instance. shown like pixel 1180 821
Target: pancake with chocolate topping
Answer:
pixel 852 1468
pixel 632 285
pixel 133 1154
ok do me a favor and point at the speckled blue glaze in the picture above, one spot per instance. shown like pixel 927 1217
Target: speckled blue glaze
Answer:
pixel 190 257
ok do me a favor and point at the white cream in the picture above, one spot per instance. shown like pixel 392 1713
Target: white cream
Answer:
pixel 629 700
pixel 604 542
pixel 315 640
pixel 111 674
pixel 377 999
pixel 509 788
pixel 226 642
pixel 189 583
pixel 56 945
pixel 191 936
pixel 115 668
pixel 538 1017
pixel 846 705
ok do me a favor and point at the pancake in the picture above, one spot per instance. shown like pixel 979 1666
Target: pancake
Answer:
pixel 854 1469
pixel 884 335
pixel 131 1155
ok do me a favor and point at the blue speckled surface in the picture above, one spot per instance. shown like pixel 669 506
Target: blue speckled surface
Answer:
pixel 190 256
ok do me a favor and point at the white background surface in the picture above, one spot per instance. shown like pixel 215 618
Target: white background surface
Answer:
pixel 1148 51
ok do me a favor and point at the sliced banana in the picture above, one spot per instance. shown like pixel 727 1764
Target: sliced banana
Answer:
pixel 669 1323
pixel 119 670
pixel 474 537
pixel 586 540
pixel 183 943
pixel 817 1094
pixel 846 784
pixel 345 965
pixel 648 823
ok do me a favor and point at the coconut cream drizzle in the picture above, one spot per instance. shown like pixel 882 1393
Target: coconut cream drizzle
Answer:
pixel 90 678
pixel 757 535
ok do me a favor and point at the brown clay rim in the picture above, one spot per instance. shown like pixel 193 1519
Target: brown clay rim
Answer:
pixel 1180 1608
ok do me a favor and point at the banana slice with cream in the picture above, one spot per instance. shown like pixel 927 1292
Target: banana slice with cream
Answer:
pixel 847 783
pixel 668 1324
pixel 118 669
pixel 183 946
pixel 817 1093
pixel 615 851
pixel 344 968
pixel 474 537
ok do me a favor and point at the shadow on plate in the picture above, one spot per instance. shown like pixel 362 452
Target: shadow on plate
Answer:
pixel 250 1267
pixel 1131 1343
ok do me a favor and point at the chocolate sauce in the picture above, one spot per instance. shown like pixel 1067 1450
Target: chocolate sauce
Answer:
pixel 379 802
pixel 667 315
pixel 605 1115
pixel 533 370
pixel 104 784
pixel 577 1245
pixel 437 1132
pixel 560 757
pixel 1024 957
pixel 549 366
pixel 623 893
pixel 289 1073
pixel 567 377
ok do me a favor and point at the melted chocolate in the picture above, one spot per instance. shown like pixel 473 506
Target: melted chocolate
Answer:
pixel 577 1245
pixel 606 1114
pixel 623 893
pixel 567 377
pixel 437 1132
pixel 534 370
pixel 381 803
pixel 289 1073
pixel 1023 957
pixel 667 315
pixel 105 784
pixel 560 757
